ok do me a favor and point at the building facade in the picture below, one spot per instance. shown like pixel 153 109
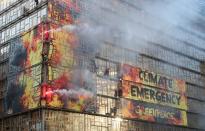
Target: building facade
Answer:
pixel 68 65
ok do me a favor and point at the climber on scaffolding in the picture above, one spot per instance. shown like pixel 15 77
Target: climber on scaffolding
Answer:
pixel 36 2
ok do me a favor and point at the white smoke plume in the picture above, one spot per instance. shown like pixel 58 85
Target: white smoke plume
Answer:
pixel 73 93
pixel 135 24
pixel 132 21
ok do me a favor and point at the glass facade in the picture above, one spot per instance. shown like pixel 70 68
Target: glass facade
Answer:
pixel 46 63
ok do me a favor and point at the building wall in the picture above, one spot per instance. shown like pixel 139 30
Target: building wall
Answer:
pixel 170 55
pixel 56 120
pixel 16 18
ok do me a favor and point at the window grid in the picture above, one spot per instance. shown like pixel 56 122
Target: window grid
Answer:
pixel 23 25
